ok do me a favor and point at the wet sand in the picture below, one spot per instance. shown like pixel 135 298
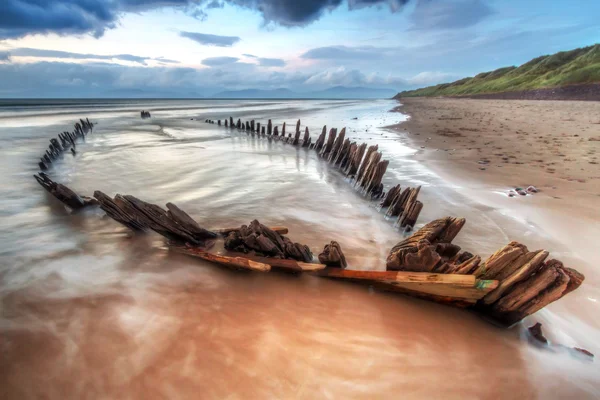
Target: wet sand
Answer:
pixel 91 311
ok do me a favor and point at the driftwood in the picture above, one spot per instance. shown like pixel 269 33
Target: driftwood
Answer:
pixel 63 193
pixel 261 240
pixel 332 256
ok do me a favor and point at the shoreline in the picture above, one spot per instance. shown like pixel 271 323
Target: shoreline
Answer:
pixel 490 147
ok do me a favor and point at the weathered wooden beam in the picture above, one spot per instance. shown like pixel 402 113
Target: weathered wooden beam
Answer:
pixel 63 193
pixel 230 262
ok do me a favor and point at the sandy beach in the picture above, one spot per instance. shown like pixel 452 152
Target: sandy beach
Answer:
pixel 499 145
pixel 552 145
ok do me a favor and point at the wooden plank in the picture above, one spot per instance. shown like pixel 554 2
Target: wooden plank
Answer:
pixel 467 281
pixel 449 290
pixel 281 263
pixel 231 262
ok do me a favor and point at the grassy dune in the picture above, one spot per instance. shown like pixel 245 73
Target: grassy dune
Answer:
pixel 577 66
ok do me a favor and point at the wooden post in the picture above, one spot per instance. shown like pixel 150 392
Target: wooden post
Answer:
pixel 365 162
pixel 321 140
pixel 327 146
pixel 269 128
pixel 337 144
pixel 275 132
pixel 306 140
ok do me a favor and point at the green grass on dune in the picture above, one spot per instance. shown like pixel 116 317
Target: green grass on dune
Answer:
pixel 563 68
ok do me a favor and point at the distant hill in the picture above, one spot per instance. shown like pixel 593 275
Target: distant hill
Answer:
pixel 337 92
pixel 575 67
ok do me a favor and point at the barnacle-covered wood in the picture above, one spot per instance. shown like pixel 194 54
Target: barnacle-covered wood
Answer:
pixel 332 255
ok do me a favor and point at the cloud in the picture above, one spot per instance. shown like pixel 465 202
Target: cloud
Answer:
pixel 270 62
pixel 4 56
pixel 218 61
pixel 448 14
pixel 42 53
pixel 211 40
pixel 366 53
pixel 19 18
pixel 249 55
pixel 351 77
pixel 60 79
pixel 302 13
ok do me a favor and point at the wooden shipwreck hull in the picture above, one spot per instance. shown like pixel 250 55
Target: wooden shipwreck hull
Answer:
pixel 511 284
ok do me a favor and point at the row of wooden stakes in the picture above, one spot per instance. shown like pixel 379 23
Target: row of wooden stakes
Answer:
pixel 362 164
pixel 65 141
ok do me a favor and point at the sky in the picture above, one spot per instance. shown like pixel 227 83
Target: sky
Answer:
pixel 196 48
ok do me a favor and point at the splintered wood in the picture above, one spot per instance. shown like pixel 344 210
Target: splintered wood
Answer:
pixel 527 282
pixel 364 166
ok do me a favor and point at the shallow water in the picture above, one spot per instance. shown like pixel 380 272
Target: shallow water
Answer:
pixel 91 311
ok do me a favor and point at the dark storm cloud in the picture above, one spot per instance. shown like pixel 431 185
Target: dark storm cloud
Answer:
pixel 22 17
pixel 41 53
pixel 211 40
pixel 218 61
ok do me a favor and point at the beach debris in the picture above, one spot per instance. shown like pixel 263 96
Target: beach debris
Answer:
pixel 258 239
pixel 584 352
pixel 332 256
pixel 145 114
pixel 63 193
pixel 532 189
pixel 512 193
pixel 521 191
pixel 536 332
